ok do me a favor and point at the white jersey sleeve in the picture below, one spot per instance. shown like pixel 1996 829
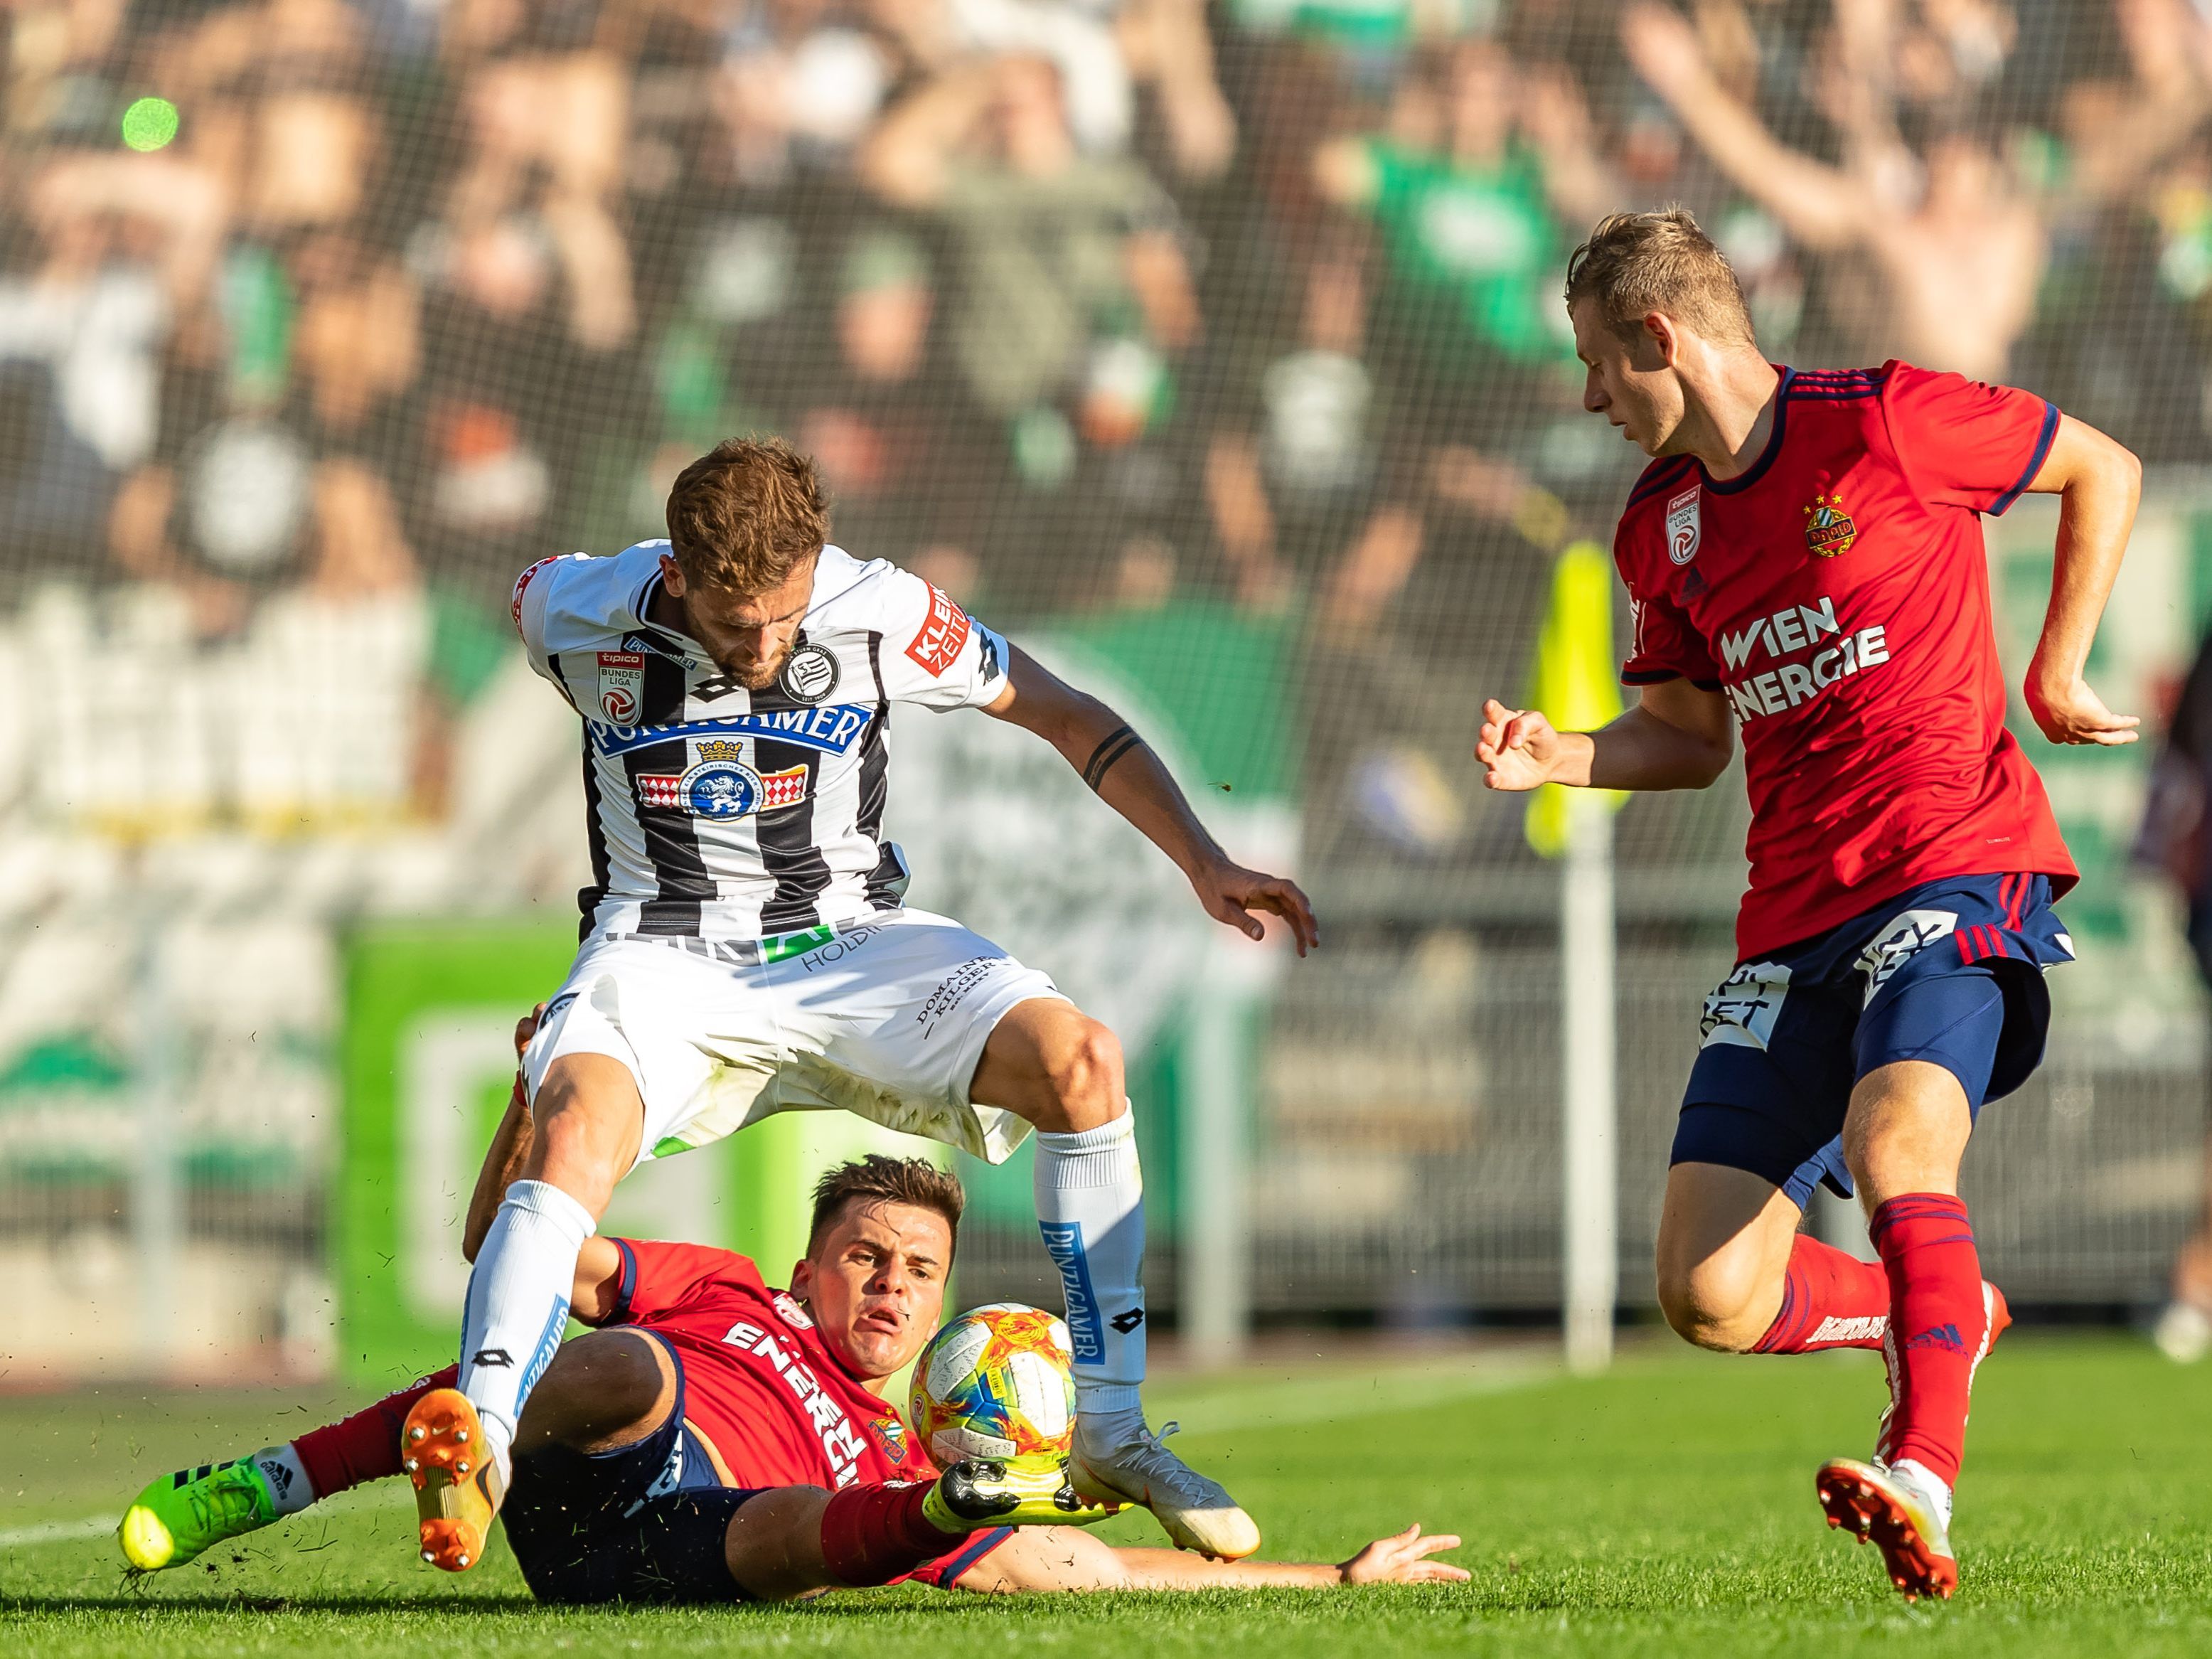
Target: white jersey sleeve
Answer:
pixel 572 601
pixel 934 652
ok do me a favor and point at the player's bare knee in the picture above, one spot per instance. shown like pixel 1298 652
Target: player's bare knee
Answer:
pixel 1086 1076
pixel 773 1548
pixel 604 1390
pixel 1715 1304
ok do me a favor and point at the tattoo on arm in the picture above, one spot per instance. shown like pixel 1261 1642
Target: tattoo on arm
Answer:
pixel 1116 743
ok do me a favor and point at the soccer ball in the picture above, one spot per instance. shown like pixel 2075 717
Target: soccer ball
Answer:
pixel 996 1383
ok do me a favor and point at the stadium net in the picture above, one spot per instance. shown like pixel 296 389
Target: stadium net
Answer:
pixel 1216 347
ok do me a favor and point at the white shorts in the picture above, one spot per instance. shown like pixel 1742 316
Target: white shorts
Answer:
pixel 885 1017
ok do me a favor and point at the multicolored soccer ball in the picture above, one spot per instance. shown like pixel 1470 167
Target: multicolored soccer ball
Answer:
pixel 996 1383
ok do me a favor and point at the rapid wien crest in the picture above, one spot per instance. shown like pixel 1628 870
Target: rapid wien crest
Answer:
pixel 1828 529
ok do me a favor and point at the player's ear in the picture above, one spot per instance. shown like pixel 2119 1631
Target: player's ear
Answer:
pixel 802 1279
pixel 1661 340
pixel 671 575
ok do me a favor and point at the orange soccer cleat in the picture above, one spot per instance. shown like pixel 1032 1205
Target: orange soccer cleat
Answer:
pixel 1889 1508
pixel 459 1483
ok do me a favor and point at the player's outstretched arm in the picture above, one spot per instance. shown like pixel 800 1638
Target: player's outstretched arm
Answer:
pixel 1677 737
pixel 2097 482
pixel 1121 767
pixel 1064 1559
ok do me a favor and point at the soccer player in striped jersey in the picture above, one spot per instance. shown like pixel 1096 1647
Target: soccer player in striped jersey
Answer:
pixel 746 950
pixel 1805 563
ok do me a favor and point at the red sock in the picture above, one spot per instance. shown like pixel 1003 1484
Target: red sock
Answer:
pixel 364 1446
pixel 1937 1327
pixel 1829 1300
pixel 872 1534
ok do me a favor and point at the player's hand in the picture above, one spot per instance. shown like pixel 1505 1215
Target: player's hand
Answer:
pixel 2066 710
pixel 526 1028
pixel 1231 893
pixel 1516 747
pixel 1404 1560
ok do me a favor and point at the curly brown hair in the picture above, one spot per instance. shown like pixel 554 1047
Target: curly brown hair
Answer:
pixel 747 514
pixel 877 1179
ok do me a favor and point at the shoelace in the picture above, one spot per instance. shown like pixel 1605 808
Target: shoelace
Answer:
pixel 219 1502
pixel 1157 1462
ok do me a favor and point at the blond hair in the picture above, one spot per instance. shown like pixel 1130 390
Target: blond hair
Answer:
pixel 1635 264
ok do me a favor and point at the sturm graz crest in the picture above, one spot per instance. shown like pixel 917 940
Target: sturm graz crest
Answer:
pixel 720 785
pixel 810 674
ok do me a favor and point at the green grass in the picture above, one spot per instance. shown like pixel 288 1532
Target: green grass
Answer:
pixel 1664 1509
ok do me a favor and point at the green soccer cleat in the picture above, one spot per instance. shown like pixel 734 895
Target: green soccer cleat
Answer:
pixel 180 1515
pixel 986 1492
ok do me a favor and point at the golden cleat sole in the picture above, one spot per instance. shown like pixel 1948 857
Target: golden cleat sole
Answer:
pixel 456 1484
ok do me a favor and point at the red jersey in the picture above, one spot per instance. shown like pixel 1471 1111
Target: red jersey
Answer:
pixel 758 1382
pixel 764 1390
pixel 1839 592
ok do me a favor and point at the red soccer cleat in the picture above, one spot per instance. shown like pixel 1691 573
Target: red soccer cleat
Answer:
pixel 458 1486
pixel 1889 1509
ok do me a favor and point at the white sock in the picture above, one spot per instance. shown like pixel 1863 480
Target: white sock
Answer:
pixel 286 1476
pixel 1090 1211
pixel 518 1305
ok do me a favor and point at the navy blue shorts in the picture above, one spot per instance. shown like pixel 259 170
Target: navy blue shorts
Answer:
pixel 644 1523
pixel 1950 972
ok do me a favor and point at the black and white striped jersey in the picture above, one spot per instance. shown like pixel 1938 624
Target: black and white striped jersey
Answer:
pixel 720 813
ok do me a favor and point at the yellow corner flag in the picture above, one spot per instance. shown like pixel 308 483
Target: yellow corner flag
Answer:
pixel 1577 682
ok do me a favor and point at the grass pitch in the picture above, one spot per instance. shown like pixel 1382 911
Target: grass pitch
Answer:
pixel 1665 1508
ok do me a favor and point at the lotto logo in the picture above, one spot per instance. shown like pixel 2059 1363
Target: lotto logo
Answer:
pixel 943 631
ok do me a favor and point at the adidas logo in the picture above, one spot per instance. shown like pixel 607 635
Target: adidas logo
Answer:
pixel 1938 1336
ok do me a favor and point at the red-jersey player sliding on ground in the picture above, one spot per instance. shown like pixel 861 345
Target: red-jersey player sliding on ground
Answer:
pixel 1805 561
pixel 719 1440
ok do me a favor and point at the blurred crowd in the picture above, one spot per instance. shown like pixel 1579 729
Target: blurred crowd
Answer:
pixel 1078 302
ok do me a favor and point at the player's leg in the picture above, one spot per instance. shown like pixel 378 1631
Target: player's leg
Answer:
pixel 588 1115
pixel 1060 1071
pixel 1054 1066
pixel 793 1540
pixel 1947 1029
pixel 614 1047
pixel 180 1516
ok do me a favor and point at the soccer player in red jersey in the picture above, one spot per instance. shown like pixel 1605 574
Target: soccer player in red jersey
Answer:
pixel 1804 560
pixel 715 1439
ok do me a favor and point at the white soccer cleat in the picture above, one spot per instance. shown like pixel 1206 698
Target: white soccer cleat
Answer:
pixel 1197 1513
pixel 1901 1508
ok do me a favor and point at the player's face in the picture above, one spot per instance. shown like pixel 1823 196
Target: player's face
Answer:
pixel 1631 383
pixel 875 1284
pixel 747 634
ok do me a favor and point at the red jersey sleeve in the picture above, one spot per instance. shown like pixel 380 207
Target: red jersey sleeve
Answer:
pixel 1966 443
pixel 657 1277
pixel 1662 644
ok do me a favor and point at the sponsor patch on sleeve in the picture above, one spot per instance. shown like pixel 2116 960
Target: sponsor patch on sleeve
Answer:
pixel 522 586
pixel 943 631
